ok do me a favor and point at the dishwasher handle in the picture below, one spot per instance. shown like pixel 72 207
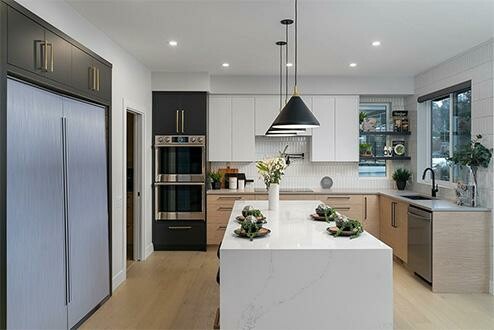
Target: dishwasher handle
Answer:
pixel 410 214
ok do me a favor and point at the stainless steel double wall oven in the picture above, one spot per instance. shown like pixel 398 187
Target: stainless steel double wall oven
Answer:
pixel 179 178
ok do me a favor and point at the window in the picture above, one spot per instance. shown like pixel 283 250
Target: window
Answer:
pixel 379 112
pixel 450 128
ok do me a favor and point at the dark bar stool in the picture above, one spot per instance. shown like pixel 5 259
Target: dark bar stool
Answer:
pixel 216 325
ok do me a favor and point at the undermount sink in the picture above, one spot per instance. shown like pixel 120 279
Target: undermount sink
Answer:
pixel 418 197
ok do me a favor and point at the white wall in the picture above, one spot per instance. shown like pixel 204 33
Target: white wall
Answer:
pixel 232 84
pixel 180 81
pixel 132 82
pixel 477 65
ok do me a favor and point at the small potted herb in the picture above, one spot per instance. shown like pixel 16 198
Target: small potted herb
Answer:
pixel 401 176
pixel 365 149
pixel 215 178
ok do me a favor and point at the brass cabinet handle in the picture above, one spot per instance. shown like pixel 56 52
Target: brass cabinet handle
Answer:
pixel 51 56
pixel 91 79
pixel 176 121
pixel 222 208
pixel 221 227
pixel 182 121
pixel 44 56
pixel 97 79
pixel 179 227
pixel 342 208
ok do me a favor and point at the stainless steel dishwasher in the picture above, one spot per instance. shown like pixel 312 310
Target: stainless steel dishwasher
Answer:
pixel 420 242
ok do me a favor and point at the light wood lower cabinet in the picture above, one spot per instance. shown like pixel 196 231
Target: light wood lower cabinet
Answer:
pixel 219 209
pixel 394 226
pixel 349 205
pixel 371 214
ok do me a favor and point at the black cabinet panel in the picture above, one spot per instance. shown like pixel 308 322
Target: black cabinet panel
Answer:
pixel 179 113
pixel 194 109
pixel 103 80
pixel 24 38
pixel 58 58
pixel 81 66
pixel 179 235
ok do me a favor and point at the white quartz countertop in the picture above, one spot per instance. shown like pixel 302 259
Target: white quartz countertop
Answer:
pixel 292 228
pixel 435 205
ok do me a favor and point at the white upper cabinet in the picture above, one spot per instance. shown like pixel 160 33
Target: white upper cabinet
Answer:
pixel 346 128
pixel 337 139
pixel 243 132
pixel 220 129
pixel 323 137
pixel 231 129
pixel 267 108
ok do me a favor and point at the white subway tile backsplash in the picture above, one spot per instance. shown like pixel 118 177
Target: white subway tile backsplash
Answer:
pixel 483 108
pixel 482 90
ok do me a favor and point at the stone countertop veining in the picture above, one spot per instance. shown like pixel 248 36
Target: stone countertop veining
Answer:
pixel 435 205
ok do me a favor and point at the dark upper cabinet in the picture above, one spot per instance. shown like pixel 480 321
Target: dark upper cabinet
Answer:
pixel 179 113
pixel 24 38
pixel 58 58
pixel 89 75
pixel 39 50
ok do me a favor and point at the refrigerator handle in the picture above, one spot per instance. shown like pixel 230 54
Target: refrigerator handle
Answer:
pixel 66 209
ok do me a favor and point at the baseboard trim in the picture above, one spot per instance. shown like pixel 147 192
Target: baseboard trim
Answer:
pixel 118 279
pixel 149 250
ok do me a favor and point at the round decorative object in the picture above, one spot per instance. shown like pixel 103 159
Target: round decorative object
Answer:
pixel 326 182
pixel 399 149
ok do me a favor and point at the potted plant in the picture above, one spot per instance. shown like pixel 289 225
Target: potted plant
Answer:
pixel 472 155
pixel 215 178
pixel 365 149
pixel 401 176
pixel 272 170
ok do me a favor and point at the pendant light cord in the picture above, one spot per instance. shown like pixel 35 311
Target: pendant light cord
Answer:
pixel 286 63
pixel 281 77
pixel 296 41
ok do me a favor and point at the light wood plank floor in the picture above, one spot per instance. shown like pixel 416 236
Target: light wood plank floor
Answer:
pixel 178 290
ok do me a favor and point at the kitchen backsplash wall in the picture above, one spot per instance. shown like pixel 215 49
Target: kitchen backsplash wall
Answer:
pixel 302 173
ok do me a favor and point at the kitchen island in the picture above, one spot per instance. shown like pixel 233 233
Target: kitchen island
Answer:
pixel 300 277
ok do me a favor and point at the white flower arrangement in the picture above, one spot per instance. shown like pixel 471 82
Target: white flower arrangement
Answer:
pixel 272 169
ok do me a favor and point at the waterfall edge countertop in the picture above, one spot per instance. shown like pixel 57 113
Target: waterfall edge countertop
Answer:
pixel 300 277
pixel 435 205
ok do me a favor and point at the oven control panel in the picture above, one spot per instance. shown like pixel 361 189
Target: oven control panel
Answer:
pixel 170 140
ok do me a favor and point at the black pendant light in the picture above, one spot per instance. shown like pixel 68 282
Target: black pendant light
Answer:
pixel 295 114
pixel 278 132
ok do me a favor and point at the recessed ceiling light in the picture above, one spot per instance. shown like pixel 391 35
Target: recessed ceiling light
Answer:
pixel 352 65
pixel 289 64
pixel 173 43
pixel 225 65
pixel 376 43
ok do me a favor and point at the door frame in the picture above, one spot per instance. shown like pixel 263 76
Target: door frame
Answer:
pixel 139 168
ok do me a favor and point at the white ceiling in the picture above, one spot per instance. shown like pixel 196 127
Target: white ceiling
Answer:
pixel 415 34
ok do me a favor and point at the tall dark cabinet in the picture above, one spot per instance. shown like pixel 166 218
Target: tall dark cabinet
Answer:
pixel 179 113
pixel 179 122
pixel 55 147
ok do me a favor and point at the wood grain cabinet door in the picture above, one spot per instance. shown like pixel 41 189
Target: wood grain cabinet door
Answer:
pixel 24 39
pixel 385 224
pixel 401 231
pixel 371 214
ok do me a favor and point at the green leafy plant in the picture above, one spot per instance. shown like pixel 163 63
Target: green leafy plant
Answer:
pixel 472 155
pixel 272 170
pixel 365 148
pixel 349 225
pixel 402 175
pixel 215 176
pixel 250 210
pixel 362 116
pixel 250 227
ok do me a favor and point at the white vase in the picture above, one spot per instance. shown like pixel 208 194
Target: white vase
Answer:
pixel 274 196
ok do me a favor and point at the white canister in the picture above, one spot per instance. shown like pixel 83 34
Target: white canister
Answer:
pixel 232 182
pixel 241 184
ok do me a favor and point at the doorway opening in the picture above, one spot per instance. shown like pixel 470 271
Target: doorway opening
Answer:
pixel 134 179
